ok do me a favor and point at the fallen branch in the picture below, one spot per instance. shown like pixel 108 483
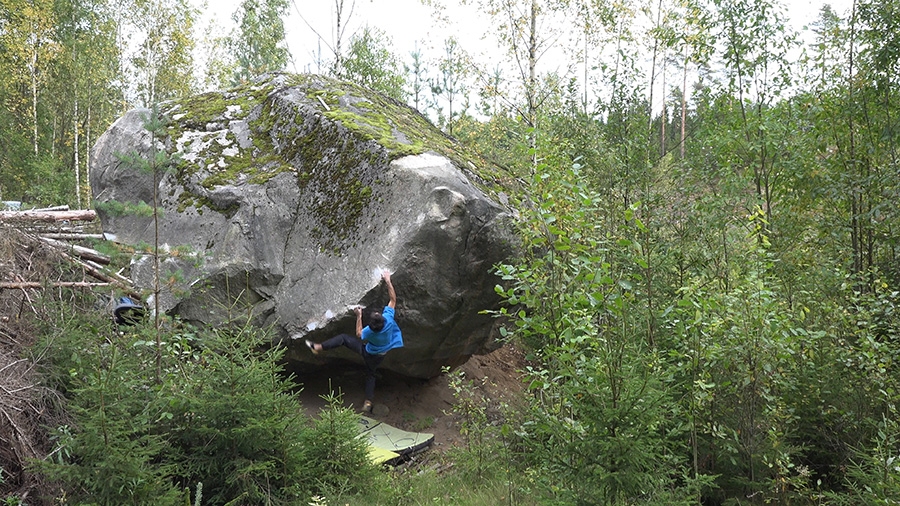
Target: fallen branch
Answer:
pixel 102 276
pixel 114 275
pixel 73 236
pixel 7 366
pixel 51 209
pixel 54 284
pixel 10 392
pixel 21 437
pixel 49 216
pixel 86 253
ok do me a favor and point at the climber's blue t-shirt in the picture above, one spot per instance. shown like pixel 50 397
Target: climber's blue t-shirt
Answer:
pixel 379 343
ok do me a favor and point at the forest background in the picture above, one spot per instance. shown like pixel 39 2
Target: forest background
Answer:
pixel 709 298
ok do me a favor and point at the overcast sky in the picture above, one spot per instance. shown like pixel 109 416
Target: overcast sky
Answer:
pixel 409 24
pixel 412 25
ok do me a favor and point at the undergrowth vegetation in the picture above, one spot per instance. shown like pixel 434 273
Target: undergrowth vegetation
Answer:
pixel 708 303
pixel 725 393
pixel 714 389
pixel 704 386
pixel 220 425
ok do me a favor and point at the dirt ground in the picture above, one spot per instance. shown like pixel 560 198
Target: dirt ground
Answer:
pixel 419 405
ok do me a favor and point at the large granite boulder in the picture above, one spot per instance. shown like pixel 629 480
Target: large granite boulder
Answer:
pixel 291 195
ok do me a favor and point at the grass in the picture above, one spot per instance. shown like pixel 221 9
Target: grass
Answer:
pixel 423 424
pixel 436 480
pixel 415 423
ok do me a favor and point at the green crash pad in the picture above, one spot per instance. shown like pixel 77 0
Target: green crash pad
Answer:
pixel 388 444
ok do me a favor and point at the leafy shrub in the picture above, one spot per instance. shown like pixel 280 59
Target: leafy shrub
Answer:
pixel 232 421
pixel 597 430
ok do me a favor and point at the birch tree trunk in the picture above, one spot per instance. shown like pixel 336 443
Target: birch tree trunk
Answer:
pixel 77 161
pixel 531 89
pixel 87 139
pixel 34 93
pixel 663 115
pixel 339 33
pixel 684 102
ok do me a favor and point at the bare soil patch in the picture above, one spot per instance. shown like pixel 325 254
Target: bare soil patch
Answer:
pixel 420 405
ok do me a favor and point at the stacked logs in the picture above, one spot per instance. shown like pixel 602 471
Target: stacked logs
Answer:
pixel 64 231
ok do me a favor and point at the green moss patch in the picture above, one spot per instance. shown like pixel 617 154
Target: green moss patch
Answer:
pixel 336 136
pixel 398 128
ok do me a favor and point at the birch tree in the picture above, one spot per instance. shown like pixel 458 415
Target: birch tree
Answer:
pixel 28 49
pixel 370 63
pixel 162 67
pixel 525 32
pixel 756 41
pixel 343 11
pixel 84 89
pixel 258 42
pixel 26 39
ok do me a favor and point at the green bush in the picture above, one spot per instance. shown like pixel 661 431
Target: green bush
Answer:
pixel 338 462
pixel 601 426
pixel 113 453
pixel 232 421
pixel 222 415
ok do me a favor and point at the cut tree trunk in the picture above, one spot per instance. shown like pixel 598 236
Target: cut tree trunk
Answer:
pixel 85 215
pixel 53 284
pixel 86 253
pixel 73 236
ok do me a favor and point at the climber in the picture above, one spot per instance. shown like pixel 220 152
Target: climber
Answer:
pixel 372 342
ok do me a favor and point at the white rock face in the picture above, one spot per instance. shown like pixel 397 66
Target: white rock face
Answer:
pixel 294 212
